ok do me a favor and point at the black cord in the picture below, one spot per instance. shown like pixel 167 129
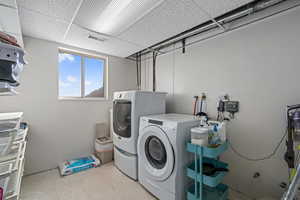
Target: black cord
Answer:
pixel 297 157
pixel 259 159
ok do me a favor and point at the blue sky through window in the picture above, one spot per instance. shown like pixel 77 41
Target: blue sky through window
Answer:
pixel 93 74
pixel 70 76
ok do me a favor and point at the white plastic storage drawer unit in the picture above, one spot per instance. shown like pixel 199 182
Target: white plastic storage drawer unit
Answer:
pixel 12 160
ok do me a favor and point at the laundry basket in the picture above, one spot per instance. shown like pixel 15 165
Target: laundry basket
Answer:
pixel 104 149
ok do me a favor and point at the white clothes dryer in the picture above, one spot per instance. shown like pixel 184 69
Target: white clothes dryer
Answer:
pixel 128 106
pixel 162 156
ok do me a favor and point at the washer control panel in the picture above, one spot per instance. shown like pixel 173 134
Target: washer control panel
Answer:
pixel 156 122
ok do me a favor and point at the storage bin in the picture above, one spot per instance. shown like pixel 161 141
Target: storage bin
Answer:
pixel 15 156
pixel 199 135
pixel 10 121
pixel 21 135
pixel 209 152
pixel 6 170
pixel 207 172
pixel 104 149
pixel 13 188
pixel 212 180
pixel 9 126
pixel 6 141
pixel 218 193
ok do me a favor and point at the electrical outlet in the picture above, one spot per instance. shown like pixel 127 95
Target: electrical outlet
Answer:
pixel 283 185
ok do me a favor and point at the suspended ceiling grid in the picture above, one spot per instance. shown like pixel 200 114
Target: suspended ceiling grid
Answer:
pixel 141 23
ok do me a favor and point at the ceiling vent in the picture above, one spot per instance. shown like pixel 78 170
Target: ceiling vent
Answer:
pixel 98 37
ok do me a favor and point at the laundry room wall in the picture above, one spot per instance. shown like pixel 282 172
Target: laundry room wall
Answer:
pixel 257 65
pixel 60 129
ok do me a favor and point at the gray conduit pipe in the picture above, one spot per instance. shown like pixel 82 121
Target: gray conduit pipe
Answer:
pixel 140 71
pixel 154 70
pixel 137 71
pixel 138 60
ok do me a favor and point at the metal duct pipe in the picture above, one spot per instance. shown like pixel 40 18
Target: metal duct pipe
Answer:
pixel 138 71
pixel 154 70
pixel 238 13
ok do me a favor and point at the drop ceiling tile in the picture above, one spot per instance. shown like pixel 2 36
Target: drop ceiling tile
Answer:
pixel 130 13
pixel 8 2
pixel 62 9
pixel 48 19
pixel 219 7
pixel 170 18
pixel 89 12
pixel 41 26
pixel 79 37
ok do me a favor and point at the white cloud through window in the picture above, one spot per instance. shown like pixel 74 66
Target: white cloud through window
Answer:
pixel 71 79
pixel 88 83
pixel 63 56
pixel 64 84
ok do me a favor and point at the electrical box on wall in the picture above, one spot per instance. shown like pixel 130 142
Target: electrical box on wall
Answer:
pixel 231 106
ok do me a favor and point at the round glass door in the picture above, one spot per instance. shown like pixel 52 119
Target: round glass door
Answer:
pixel 122 118
pixel 156 153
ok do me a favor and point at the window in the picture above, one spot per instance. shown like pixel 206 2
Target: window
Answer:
pixel 81 76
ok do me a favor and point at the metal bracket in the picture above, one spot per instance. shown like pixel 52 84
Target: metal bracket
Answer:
pixel 211 18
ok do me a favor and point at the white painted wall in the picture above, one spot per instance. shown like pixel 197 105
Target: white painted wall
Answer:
pixel 259 65
pixel 60 129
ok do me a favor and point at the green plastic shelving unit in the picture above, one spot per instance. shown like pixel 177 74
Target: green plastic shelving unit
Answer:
pixel 206 187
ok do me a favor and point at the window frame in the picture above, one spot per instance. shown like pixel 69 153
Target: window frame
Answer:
pixel 82 75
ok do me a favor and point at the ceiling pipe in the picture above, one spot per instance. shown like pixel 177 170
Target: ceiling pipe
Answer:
pixel 236 14
pixel 154 70
pixel 183 46
pixel 7 6
pixel 139 71
pixel 209 15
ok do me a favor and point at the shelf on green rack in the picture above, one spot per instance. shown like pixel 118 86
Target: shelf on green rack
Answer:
pixel 211 181
pixel 209 152
pixel 218 193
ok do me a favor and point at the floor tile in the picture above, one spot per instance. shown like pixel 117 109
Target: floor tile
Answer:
pixel 102 183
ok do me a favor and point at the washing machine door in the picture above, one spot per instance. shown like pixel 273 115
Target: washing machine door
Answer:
pixel 156 153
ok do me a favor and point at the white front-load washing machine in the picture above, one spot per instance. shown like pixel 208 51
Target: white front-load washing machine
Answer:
pixel 162 157
pixel 128 106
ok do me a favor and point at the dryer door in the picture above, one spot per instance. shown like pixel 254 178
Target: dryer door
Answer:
pixel 156 153
pixel 122 118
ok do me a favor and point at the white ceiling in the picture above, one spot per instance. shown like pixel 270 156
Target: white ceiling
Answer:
pixel 144 22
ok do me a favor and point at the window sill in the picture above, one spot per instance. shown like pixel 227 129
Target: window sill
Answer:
pixel 83 99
